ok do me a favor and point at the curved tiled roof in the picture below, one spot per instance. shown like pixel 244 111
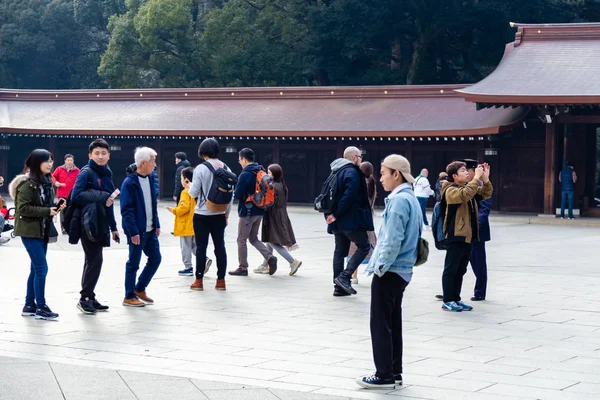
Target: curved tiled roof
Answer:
pixel 298 111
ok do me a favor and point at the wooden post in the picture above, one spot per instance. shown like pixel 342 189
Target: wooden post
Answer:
pixel 550 170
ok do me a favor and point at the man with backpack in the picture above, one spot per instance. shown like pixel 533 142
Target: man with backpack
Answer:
pixel 251 213
pixel 91 218
pixel 460 228
pixel 213 184
pixel 349 218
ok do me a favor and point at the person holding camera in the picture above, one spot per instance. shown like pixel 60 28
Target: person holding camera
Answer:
pixel 461 226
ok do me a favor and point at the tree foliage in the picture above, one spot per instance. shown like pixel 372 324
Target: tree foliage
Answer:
pixel 206 43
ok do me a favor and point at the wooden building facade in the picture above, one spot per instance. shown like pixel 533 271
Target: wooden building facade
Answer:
pixel 523 134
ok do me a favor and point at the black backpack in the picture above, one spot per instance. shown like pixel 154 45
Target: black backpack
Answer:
pixel 220 193
pixel 69 210
pixel 327 200
pixel 93 218
pixel 437 224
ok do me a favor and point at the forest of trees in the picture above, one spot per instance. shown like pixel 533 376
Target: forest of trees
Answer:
pixel 73 44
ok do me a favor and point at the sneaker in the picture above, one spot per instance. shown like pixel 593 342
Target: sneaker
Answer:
pixel 344 284
pixel 208 264
pixel 220 285
pixel 398 379
pixel 464 306
pixel 477 298
pixel 375 382
pixel 294 265
pixel 144 297
pixel 197 285
pixel 98 306
pixel 239 272
pixel 339 292
pixel 29 311
pixel 44 312
pixel 263 269
pixel 135 302
pixel 4 240
pixel 63 231
pixel 451 306
pixel 272 265
pixel 186 272
pixel 439 297
pixel 354 281
pixel 86 306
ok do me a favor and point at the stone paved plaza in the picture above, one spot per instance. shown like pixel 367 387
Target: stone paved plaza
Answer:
pixel 536 337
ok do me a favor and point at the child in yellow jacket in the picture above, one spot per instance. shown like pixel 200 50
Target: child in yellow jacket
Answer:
pixel 184 224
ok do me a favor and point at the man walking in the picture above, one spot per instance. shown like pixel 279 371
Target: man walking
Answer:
pixel 350 220
pixel 250 216
pixel 567 179
pixel 142 227
pixel 392 263
pixel 92 195
pixel 65 177
pixel 461 226
pixel 423 191
pixel 182 162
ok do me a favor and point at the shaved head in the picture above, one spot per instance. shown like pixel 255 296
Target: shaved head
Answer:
pixel 353 154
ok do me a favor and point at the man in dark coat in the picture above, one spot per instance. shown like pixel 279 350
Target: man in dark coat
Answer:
pixel 182 162
pixel 478 256
pixel 351 219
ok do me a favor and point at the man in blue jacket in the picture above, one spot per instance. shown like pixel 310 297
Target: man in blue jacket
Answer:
pixel 351 219
pixel 250 216
pixel 478 255
pixel 141 225
pixel 392 263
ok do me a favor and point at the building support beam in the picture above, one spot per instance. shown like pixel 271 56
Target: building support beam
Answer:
pixel 550 170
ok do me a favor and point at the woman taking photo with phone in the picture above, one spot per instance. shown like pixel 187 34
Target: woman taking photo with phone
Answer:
pixel 33 193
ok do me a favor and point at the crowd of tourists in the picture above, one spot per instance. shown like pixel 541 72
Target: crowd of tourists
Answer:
pixel 204 197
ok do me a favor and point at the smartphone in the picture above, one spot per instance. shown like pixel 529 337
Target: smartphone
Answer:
pixel 60 203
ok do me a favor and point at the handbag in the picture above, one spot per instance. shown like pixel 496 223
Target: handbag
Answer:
pixel 422 252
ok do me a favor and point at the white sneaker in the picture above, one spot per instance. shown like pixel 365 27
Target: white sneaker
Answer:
pixel 4 240
pixel 354 281
pixel 263 269
pixel 294 266
pixel 208 264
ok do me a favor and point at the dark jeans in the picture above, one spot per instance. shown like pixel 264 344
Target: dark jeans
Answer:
pixel 479 265
pixel 455 266
pixel 423 204
pixel 342 248
pixel 91 267
pixel 386 323
pixel 36 283
pixel 213 225
pixel 566 196
pixel 149 245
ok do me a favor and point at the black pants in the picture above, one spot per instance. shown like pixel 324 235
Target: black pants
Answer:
pixel 386 323
pixel 479 265
pixel 213 225
pixel 342 248
pixel 91 267
pixel 455 267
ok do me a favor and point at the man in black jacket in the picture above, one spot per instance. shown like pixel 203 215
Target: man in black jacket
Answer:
pixel 94 185
pixel 182 163
pixel 351 219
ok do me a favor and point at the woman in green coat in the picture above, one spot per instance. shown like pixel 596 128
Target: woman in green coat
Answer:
pixel 34 203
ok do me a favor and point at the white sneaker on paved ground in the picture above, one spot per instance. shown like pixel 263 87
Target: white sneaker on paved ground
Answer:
pixel 4 240
pixel 294 266
pixel 263 269
pixel 354 281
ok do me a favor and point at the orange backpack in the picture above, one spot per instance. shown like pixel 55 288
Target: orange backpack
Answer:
pixel 264 193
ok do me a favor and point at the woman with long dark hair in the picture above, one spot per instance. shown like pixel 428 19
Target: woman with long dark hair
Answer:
pixel 33 193
pixel 369 172
pixel 277 232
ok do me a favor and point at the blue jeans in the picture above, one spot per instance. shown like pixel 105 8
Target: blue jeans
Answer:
pixel 423 204
pixel 149 245
pixel 36 284
pixel 566 196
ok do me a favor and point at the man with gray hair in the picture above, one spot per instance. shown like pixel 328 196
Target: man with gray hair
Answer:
pixel 141 225
pixel 350 220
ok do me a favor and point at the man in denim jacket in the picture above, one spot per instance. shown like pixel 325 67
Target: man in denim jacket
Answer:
pixel 392 263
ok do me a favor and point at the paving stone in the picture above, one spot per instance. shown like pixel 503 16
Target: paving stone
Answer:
pixel 77 382
pixel 28 381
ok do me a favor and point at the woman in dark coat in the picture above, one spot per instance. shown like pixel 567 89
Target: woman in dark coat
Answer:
pixel 277 232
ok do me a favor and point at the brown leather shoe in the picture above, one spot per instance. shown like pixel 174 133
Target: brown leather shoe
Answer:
pixel 220 285
pixel 135 302
pixel 197 285
pixel 142 295
pixel 239 272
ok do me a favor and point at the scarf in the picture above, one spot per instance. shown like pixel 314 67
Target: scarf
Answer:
pixel 104 174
